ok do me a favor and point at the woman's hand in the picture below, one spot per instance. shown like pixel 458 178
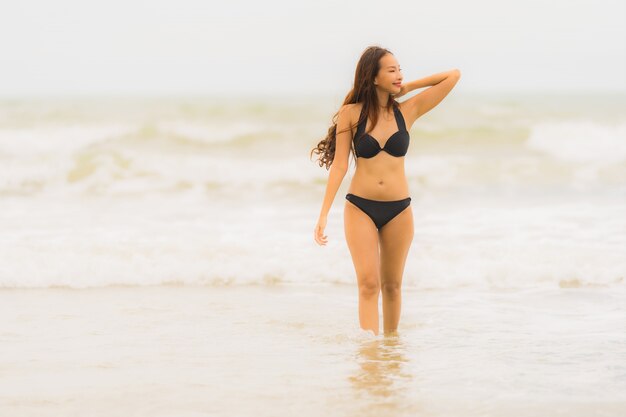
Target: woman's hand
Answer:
pixel 318 233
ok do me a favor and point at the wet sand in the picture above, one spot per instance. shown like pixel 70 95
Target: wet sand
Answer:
pixel 288 350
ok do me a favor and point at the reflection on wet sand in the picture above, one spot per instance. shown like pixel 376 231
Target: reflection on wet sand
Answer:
pixel 381 378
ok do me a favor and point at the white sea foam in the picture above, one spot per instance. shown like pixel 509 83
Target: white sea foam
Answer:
pixel 150 196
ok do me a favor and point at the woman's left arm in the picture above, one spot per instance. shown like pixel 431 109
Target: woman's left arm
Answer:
pixel 442 83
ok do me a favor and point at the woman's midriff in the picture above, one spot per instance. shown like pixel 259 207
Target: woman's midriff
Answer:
pixel 380 180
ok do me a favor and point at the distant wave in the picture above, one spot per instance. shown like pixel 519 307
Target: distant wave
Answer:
pixel 506 195
pixel 580 141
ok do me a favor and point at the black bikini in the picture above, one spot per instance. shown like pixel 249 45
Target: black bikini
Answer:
pixel 397 144
pixel 381 212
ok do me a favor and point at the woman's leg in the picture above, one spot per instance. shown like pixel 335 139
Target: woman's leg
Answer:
pixel 395 241
pixel 362 239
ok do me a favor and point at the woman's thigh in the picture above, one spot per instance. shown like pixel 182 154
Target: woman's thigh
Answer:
pixel 395 241
pixel 362 239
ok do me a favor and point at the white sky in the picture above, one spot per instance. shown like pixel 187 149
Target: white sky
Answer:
pixel 288 46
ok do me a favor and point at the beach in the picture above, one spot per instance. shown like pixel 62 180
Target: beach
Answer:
pixel 157 259
pixel 284 350
pixel 160 199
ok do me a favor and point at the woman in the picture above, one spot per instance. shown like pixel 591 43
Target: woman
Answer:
pixel 378 220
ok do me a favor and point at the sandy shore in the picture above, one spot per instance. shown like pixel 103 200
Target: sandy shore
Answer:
pixel 297 350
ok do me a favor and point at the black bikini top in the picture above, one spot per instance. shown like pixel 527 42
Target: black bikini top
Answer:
pixel 397 144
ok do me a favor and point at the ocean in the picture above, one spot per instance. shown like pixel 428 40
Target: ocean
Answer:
pixel 157 258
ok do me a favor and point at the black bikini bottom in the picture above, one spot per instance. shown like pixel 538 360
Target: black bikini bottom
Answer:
pixel 381 212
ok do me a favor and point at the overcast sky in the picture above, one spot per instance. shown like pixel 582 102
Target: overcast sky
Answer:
pixel 289 46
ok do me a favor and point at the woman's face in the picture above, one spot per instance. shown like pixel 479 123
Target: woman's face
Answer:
pixel 389 76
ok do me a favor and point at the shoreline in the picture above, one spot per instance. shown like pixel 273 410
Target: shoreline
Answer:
pixel 252 350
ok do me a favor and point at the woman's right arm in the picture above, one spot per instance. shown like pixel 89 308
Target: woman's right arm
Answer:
pixel 338 169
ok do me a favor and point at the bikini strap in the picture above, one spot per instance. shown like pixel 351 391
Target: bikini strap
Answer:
pixel 361 126
pixel 399 118
pixel 397 113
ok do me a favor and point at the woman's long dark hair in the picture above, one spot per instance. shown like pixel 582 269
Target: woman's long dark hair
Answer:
pixel 363 91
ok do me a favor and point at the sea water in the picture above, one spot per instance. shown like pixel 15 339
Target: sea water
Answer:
pixel 157 258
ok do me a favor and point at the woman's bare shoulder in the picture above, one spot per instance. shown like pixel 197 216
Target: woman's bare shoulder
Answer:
pixel 353 110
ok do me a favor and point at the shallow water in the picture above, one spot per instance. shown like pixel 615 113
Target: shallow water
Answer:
pixel 296 350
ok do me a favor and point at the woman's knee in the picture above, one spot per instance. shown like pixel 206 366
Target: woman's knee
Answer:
pixel 391 289
pixel 369 284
